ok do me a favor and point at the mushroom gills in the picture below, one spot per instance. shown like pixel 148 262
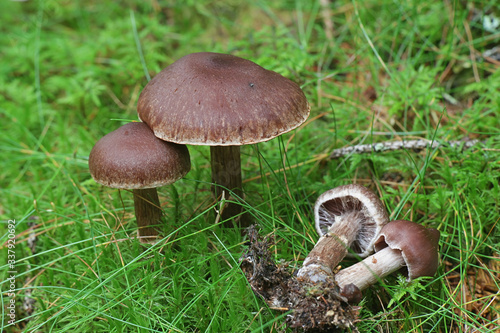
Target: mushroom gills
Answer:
pixel 331 210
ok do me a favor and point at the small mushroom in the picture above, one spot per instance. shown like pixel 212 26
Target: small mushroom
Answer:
pixel 131 157
pixel 401 245
pixel 224 102
pixel 348 218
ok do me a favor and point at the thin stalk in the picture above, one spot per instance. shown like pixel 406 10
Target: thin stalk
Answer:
pixel 226 176
pixel 330 249
pixel 148 214
pixel 367 272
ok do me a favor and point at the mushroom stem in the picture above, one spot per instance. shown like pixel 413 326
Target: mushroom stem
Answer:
pixel 148 214
pixel 365 273
pixel 226 175
pixel 330 249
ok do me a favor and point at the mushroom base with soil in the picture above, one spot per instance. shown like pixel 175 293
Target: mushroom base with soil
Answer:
pixel 312 306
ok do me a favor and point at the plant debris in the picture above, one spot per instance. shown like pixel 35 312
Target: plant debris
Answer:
pixel 313 307
pixel 477 292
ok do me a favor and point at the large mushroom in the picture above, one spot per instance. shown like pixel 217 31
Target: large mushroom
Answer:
pixel 401 245
pixel 348 218
pixel 222 101
pixel 131 157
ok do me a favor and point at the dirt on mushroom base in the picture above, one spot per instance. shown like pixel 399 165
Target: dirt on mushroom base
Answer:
pixel 313 307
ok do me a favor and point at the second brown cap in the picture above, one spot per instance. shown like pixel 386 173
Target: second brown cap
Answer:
pixel 131 157
pixel 418 246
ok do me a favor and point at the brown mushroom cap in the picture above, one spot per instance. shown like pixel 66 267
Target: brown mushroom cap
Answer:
pixel 132 157
pixel 220 100
pixel 352 198
pixel 418 246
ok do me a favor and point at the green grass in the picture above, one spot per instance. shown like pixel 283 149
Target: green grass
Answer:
pixel 71 71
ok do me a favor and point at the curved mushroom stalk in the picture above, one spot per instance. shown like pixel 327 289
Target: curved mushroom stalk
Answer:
pixel 348 218
pixel 402 245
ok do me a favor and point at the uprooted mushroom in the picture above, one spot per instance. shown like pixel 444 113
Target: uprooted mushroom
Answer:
pixel 348 218
pixel 401 245
pixel 351 221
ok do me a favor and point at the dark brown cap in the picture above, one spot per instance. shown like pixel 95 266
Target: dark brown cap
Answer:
pixel 352 198
pixel 418 246
pixel 220 100
pixel 132 157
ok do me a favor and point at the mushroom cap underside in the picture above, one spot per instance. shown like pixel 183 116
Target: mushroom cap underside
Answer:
pixel 352 198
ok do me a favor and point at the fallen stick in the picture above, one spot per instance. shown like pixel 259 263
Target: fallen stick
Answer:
pixel 415 145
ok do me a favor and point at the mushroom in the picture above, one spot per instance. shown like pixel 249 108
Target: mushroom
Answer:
pixel 348 218
pixel 131 157
pixel 222 101
pixel 401 245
